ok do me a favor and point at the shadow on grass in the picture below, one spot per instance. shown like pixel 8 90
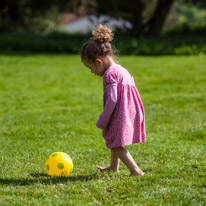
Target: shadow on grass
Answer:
pixel 45 179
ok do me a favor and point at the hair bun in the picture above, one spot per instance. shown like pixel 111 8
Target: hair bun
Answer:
pixel 102 33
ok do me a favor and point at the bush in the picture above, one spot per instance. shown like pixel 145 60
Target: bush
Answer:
pixel 187 29
pixel 173 42
pixel 53 42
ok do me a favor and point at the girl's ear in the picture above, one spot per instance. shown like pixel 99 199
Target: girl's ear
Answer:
pixel 99 62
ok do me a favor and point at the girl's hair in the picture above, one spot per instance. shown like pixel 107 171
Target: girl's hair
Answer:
pixel 99 45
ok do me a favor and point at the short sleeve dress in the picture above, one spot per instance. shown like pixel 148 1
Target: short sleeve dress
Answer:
pixel 127 123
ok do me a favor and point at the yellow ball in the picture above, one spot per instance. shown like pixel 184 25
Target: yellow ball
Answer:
pixel 59 164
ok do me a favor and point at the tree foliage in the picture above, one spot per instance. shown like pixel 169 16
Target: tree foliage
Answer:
pixel 146 16
pixel 197 3
pixel 23 13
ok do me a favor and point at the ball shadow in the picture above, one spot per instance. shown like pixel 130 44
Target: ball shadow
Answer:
pixel 43 178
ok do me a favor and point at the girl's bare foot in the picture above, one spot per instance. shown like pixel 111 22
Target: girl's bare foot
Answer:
pixel 135 174
pixel 102 169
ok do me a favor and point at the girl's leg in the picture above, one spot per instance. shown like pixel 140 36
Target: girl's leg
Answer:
pixel 127 159
pixel 114 163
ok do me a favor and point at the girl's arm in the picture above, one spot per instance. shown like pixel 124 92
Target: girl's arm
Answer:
pixel 109 106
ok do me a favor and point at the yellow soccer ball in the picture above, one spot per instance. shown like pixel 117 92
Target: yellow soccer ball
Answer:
pixel 59 164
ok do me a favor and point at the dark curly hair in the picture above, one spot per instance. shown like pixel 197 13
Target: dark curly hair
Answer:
pixel 99 45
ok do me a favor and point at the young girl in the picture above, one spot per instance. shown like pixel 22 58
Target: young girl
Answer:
pixel 122 120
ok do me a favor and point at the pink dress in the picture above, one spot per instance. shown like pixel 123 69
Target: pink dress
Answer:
pixel 123 119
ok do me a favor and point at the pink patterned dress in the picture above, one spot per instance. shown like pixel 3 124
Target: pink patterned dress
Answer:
pixel 123 119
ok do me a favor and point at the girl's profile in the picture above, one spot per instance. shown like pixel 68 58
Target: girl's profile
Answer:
pixel 122 120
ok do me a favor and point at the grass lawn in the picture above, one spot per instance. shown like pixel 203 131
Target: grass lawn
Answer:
pixel 51 103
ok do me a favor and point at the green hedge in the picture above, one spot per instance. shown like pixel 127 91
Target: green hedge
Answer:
pixel 167 45
pixel 171 43
pixel 54 42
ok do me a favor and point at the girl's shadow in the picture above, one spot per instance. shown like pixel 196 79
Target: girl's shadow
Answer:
pixel 45 179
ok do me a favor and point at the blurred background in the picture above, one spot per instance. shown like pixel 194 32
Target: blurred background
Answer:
pixel 142 27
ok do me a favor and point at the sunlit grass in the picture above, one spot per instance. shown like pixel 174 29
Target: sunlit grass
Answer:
pixel 51 103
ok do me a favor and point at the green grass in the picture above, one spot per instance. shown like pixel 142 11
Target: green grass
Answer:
pixel 51 103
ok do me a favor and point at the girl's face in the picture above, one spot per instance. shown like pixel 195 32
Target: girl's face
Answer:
pixel 96 68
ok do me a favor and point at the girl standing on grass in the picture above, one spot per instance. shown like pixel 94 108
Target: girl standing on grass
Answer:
pixel 122 120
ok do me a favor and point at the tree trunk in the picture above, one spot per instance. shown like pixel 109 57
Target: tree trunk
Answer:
pixel 8 15
pixel 157 20
pixel 136 19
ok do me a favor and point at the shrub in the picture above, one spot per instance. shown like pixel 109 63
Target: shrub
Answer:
pixel 173 42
